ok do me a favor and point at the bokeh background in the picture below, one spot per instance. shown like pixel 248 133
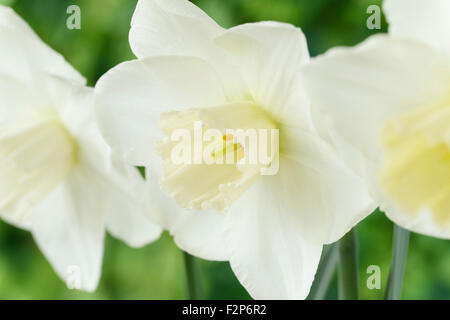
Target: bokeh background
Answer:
pixel 156 271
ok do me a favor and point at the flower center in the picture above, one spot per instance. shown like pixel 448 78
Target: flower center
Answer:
pixel 211 156
pixel 416 171
pixel 228 149
pixel 35 155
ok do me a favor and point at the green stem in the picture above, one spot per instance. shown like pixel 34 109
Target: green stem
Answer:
pixel 400 243
pixel 324 274
pixel 193 283
pixel 348 266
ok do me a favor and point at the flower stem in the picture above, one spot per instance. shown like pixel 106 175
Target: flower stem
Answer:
pixel 348 266
pixel 325 271
pixel 193 283
pixel 400 243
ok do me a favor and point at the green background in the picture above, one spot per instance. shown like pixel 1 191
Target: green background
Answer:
pixel 155 271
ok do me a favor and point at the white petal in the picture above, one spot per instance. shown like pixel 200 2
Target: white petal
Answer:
pixel 25 54
pixel 328 197
pixel 199 233
pixel 268 252
pixel 128 224
pixel 360 88
pixel 68 227
pixel 427 21
pixel 13 100
pixel 131 96
pixel 127 218
pixel 167 27
pixel 73 102
pixel 178 27
pixel 196 232
pixel 423 223
pixel 269 54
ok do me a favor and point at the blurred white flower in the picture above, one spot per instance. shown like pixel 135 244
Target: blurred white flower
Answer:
pixel 389 104
pixel 270 227
pixel 57 176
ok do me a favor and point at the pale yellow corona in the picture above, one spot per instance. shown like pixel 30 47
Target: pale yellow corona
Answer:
pixel 416 163
pixel 219 182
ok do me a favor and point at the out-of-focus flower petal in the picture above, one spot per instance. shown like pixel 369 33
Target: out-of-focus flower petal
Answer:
pixel 427 21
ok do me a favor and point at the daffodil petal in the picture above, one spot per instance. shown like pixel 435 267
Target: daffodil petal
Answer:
pixel 127 217
pixel 268 252
pixel 426 21
pixel 178 27
pixel 68 227
pixel 12 100
pixel 270 55
pixel 423 222
pixel 27 54
pixel 131 225
pixel 168 27
pixel 199 233
pixel 196 232
pixel 331 199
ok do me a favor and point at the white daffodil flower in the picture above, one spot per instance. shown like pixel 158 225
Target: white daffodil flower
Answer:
pixel 57 177
pixel 388 100
pixel 271 227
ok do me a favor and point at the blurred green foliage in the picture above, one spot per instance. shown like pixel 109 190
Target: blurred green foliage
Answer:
pixel 155 271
